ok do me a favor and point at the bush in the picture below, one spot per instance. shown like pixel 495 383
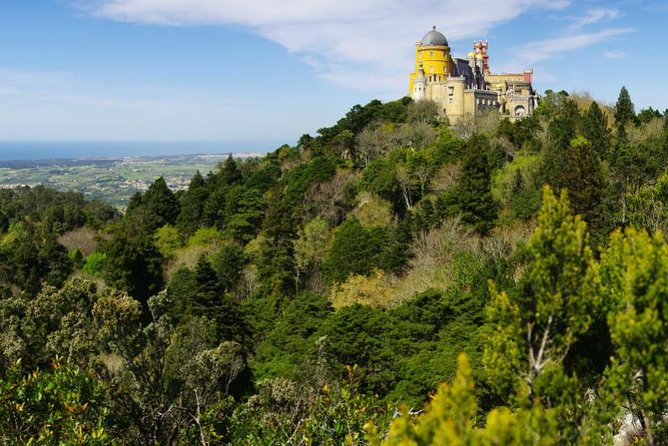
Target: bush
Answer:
pixel 94 263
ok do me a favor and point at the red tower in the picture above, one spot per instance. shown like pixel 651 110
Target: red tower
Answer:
pixel 480 50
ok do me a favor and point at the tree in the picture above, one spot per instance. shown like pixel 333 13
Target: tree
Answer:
pixel 133 263
pixel 635 266
pixel 473 191
pixel 451 418
pixel 62 405
pixel 624 111
pixel 156 207
pixel 170 383
pixel 530 355
pixel 229 173
pixel 423 112
pixel 563 127
pixel 595 129
pixel 243 212
pixel 207 292
pixel 646 115
pixel 356 250
pixel 310 250
pixel 192 203
pixel 228 264
pixel 582 175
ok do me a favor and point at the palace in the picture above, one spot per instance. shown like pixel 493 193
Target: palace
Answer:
pixel 466 88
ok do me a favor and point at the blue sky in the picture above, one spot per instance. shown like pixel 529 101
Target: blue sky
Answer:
pixel 115 70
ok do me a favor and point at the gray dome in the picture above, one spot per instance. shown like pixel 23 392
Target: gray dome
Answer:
pixel 434 37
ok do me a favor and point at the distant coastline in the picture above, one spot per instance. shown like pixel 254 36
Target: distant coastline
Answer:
pixel 111 179
pixel 98 150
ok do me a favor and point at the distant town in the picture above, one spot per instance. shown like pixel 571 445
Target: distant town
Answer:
pixel 111 180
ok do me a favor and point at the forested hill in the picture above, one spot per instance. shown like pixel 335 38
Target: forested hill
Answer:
pixel 320 294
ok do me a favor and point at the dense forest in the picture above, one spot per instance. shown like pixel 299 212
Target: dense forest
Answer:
pixel 393 280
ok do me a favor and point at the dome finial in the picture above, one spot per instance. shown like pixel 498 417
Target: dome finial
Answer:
pixel 433 27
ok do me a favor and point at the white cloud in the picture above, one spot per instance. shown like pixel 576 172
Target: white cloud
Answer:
pixel 615 54
pixel 597 15
pixel 352 42
pixel 534 52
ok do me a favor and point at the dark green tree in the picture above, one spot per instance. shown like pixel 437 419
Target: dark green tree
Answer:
pixel 648 114
pixel 207 291
pixel 228 264
pixel 473 191
pixel 624 110
pixel 357 250
pixel 229 173
pixel 595 129
pixel 156 207
pixel 582 174
pixel 192 203
pixel 134 264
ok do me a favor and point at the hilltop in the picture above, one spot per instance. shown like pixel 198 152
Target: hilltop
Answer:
pixel 310 295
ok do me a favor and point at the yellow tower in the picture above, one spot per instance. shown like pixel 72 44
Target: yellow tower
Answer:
pixel 432 55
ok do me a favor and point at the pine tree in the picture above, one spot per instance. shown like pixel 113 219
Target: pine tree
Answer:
pixel 474 190
pixel 624 110
pixel 595 129
pixel 154 208
pixel 582 174
pixel 636 266
pixel 208 292
pixel 160 200
pixel 563 127
pixel 229 174
pixel 533 329
pixel 193 200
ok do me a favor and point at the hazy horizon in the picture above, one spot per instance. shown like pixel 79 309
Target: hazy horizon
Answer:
pixel 51 150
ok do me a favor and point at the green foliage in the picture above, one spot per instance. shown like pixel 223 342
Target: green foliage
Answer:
pixel 516 186
pixel 356 250
pixel 154 208
pixel 595 130
pixel 259 337
pixel 425 112
pixel 521 133
pixel 61 406
pixel 283 412
pixel 636 266
pixel 624 110
pixel 450 418
pixel 551 103
pixel 228 264
pixel 57 212
pixel 292 338
pixel 529 355
pixel 29 259
pixel 473 195
pixel 167 240
pixel 646 115
pixel 133 263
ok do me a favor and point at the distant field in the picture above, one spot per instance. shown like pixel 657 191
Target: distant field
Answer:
pixel 111 180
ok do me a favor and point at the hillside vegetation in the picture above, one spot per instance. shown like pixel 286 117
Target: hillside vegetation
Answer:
pixel 392 280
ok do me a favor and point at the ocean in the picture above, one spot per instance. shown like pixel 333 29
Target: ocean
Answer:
pixel 37 150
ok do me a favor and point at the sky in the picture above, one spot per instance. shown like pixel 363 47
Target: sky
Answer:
pixel 272 70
